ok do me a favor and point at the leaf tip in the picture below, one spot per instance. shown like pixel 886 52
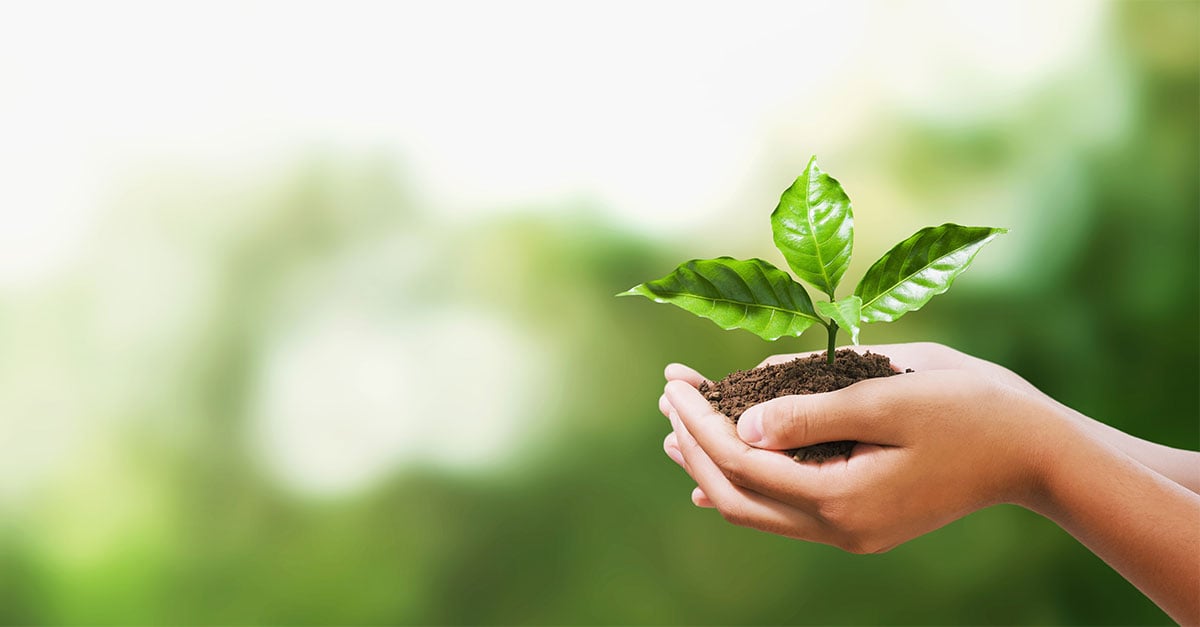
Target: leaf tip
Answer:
pixel 812 169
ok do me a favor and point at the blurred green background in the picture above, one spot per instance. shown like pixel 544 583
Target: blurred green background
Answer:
pixel 306 311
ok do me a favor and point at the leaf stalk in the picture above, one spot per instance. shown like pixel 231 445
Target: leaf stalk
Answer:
pixel 833 329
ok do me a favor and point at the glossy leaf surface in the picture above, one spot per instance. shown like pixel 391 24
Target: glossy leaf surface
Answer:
pixel 846 313
pixel 918 269
pixel 736 294
pixel 813 226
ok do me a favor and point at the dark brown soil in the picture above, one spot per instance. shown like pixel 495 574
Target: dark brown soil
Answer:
pixel 804 375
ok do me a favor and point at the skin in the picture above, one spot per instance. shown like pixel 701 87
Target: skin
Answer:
pixel 955 436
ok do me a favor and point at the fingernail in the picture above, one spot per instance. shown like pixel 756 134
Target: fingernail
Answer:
pixel 750 426
pixel 675 455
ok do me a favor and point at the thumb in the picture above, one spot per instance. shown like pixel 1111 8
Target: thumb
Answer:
pixel 854 413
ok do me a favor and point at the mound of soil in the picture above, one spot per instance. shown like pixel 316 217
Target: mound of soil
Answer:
pixel 804 375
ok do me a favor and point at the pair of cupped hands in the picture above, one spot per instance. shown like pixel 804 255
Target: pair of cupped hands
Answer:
pixel 955 435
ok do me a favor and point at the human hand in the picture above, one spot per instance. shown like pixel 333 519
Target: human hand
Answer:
pixel 957 435
pixel 1180 466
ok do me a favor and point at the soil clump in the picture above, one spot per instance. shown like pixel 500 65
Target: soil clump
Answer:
pixel 804 375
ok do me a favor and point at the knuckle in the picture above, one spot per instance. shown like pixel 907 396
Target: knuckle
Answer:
pixel 935 348
pixel 733 469
pixel 869 544
pixel 688 446
pixel 879 408
pixel 735 515
pixel 877 401
pixel 857 545
pixel 853 531
pixel 849 544
pixel 879 548
pixel 838 508
pixel 835 513
pixel 795 425
pixel 870 404
pixel 950 357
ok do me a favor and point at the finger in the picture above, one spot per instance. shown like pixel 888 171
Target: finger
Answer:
pixel 664 406
pixel 765 472
pixel 680 372
pixel 671 447
pixel 739 505
pixel 925 356
pixel 918 356
pixel 858 412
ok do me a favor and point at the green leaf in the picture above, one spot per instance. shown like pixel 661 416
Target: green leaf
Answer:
pixel 918 269
pixel 752 295
pixel 814 228
pixel 845 313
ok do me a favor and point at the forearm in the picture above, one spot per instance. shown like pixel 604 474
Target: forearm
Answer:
pixel 1144 525
pixel 1180 466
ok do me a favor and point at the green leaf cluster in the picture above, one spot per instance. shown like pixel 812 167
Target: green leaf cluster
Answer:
pixel 813 227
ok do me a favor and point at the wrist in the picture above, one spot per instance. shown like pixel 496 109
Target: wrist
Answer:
pixel 1059 444
pixel 1073 458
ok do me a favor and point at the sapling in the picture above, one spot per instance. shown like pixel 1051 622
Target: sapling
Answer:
pixel 813 227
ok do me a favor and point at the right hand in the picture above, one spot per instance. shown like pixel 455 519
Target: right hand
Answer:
pixel 933 446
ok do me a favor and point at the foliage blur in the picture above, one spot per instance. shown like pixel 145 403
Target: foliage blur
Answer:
pixel 307 397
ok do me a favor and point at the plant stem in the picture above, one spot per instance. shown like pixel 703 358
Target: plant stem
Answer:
pixel 833 329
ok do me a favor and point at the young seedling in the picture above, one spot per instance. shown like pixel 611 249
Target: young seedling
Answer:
pixel 814 229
